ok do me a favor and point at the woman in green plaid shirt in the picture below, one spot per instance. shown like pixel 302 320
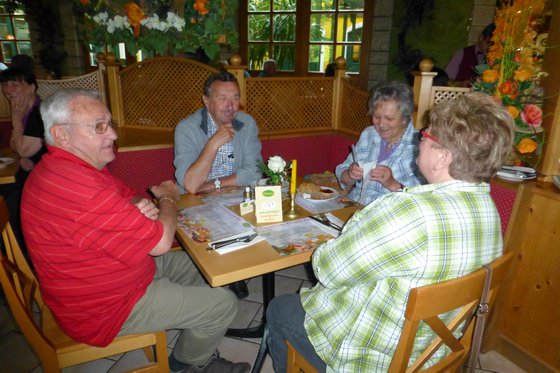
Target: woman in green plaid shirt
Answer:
pixel 352 319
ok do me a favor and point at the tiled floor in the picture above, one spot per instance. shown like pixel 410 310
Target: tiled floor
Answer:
pixel 17 357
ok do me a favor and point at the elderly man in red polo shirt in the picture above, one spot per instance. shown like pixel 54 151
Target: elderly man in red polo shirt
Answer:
pixel 101 252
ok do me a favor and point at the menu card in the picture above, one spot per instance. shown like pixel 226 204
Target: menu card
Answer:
pixel 296 236
pixel 211 222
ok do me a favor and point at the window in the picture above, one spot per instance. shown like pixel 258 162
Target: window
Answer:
pixel 304 36
pixel 336 30
pixel 14 34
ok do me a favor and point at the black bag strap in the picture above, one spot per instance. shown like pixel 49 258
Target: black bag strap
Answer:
pixel 481 313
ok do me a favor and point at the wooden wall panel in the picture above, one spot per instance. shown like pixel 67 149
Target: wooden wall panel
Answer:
pixel 530 300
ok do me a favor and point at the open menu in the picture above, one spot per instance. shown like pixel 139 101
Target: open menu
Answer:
pixel 211 222
pixel 296 236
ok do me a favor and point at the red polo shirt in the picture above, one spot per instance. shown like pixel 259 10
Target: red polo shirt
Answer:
pixel 89 245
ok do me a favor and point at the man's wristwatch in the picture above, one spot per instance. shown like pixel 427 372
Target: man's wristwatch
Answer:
pixel 217 184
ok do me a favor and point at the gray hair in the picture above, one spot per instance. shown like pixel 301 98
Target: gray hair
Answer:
pixel 396 91
pixel 55 109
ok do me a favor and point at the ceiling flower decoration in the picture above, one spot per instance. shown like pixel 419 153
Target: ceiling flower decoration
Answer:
pixel 164 27
pixel 513 72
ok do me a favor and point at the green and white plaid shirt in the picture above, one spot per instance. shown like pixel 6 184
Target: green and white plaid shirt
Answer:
pixel 426 234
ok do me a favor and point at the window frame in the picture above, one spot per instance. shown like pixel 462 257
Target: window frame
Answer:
pixel 15 40
pixel 302 44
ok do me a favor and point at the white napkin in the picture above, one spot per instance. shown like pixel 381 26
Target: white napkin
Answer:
pixel 367 166
pixel 237 245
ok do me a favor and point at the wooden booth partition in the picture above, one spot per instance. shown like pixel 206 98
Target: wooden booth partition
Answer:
pixel 150 97
pixel 526 326
pixel 427 95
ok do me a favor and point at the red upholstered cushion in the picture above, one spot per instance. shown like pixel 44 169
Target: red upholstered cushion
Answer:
pixel 503 198
pixel 315 154
pixel 141 169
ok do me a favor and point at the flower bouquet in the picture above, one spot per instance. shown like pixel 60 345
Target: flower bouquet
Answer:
pixel 160 26
pixel 275 170
pixel 513 72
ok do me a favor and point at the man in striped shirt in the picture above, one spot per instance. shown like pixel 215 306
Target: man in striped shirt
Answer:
pixel 351 320
pixel 101 252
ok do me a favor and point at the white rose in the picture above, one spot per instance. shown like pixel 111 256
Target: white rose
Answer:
pixel 276 164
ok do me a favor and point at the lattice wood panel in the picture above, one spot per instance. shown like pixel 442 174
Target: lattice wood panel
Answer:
pixel 93 80
pixel 440 94
pixel 161 91
pixel 290 104
pixel 354 110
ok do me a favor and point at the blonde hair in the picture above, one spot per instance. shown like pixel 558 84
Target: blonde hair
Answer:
pixel 478 132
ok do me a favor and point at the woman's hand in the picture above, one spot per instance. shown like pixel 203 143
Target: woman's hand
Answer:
pixel 26 164
pixel 355 172
pixel 384 176
pixel 22 104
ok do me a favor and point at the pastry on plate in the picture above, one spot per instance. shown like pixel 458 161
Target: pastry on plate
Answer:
pixel 314 191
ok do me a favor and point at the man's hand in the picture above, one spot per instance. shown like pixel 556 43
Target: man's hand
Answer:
pixel 167 188
pixel 223 135
pixel 168 195
pixel 147 208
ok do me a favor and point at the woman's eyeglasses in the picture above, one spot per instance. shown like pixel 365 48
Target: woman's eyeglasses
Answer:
pixel 422 133
pixel 99 127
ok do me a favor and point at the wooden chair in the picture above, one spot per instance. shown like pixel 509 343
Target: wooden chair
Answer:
pixel 54 348
pixel 297 363
pixel 425 304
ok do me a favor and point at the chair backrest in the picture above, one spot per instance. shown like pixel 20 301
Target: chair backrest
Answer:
pixel 21 289
pixel 14 253
pixel 427 303
pixel 427 95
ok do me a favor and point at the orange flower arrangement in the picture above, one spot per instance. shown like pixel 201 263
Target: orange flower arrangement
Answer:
pixel 513 72
pixel 200 7
pixel 135 14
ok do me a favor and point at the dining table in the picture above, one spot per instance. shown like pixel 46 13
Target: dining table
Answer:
pixel 8 170
pixel 259 259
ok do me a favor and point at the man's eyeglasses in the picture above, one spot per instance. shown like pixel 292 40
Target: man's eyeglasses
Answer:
pixel 99 127
pixel 422 133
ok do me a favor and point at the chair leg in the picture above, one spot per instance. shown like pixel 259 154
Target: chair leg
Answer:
pixel 263 350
